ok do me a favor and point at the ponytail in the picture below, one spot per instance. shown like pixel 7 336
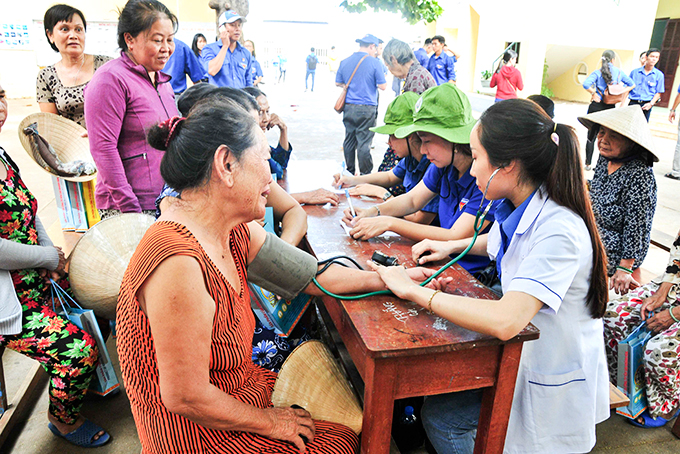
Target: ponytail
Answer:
pixel 508 55
pixel 567 187
pixel 519 130
pixel 607 57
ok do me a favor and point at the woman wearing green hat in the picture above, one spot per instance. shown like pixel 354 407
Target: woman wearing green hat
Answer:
pixel 443 121
pixel 552 266
pixel 410 169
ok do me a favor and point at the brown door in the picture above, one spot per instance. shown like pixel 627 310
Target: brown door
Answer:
pixel 668 63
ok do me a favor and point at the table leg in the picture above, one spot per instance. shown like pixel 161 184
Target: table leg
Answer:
pixel 497 402
pixel 378 406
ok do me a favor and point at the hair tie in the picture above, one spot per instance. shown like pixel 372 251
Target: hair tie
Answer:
pixel 555 138
pixel 171 125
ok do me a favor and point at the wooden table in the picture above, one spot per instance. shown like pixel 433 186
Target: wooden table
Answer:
pixel 397 347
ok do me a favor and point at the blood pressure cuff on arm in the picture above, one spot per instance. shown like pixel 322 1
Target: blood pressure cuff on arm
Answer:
pixel 281 268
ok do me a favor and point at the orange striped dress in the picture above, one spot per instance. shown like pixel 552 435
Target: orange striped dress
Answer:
pixel 231 367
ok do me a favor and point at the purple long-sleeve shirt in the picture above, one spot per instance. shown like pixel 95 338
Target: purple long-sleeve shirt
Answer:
pixel 121 104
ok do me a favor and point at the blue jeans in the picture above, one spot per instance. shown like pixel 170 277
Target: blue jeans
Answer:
pixel 312 72
pixel 450 421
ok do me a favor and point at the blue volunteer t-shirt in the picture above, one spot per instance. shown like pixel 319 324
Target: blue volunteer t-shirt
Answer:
pixel 364 86
pixel 411 172
pixel 279 159
pixel 646 84
pixel 421 56
pixel 256 70
pixel 441 67
pixel 456 197
pixel 183 61
pixel 600 85
pixel 236 69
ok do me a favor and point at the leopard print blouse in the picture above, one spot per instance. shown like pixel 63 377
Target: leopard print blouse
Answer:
pixel 70 101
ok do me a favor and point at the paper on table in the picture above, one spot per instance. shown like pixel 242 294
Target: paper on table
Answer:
pixel 346 227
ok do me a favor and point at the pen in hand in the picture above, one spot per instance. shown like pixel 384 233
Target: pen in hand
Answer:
pixel 351 207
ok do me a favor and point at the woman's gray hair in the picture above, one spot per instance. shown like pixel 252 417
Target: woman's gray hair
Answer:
pixel 399 50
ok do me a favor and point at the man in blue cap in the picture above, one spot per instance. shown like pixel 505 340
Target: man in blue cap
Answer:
pixel 361 102
pixel 228 63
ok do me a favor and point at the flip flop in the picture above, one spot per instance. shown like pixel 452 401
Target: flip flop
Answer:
pixel 651 423
pixel 83 435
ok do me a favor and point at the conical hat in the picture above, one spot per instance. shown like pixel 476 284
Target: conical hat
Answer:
pixel 311 378
pixel 64 135
pixel 628 121
pixel 99 260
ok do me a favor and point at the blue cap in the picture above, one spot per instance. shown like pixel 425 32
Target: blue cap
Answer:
pixel 228 17
pixel 369 39
pixel 408 410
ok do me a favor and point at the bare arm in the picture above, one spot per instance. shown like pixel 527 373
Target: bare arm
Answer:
pixel 48 107
pixel 671 114
pixel 382 86
pixel 439 250
pixel 293 217
pixel 181 312
pixel 215 65
pixel 503 318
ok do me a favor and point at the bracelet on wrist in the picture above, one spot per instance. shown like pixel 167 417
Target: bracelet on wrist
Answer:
pixel 670 311
pixel 623 268
pixel 429 303
pixel 377 209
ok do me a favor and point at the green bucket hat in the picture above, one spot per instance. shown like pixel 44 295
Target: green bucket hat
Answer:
pixel 399 113
pixel 444 111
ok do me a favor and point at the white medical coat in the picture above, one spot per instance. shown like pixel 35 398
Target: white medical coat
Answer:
pixel 562 387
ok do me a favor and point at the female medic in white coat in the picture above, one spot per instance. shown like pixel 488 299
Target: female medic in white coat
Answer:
pixel 552 269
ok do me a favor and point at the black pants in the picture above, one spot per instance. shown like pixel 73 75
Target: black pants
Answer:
pixel 647 113
pixel 590 144
pixel 357 118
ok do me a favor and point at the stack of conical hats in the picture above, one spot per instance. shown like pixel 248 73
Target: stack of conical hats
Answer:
pixel 311 378
pixel 100 258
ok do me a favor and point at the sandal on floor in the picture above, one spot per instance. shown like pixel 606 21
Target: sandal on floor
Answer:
pixel 83 435
pixel 651 423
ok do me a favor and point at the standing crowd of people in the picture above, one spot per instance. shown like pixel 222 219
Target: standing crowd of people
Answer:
pixel 198 159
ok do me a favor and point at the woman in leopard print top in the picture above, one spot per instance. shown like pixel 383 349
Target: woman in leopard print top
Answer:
pixel 59 87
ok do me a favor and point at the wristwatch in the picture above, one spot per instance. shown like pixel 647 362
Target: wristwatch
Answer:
pixel 386 195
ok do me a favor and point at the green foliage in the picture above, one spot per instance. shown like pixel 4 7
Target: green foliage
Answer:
pixel 545 91
pixel 412 10
pixel 486 74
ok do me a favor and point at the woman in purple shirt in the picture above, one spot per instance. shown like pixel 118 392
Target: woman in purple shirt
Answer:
pixel 123 100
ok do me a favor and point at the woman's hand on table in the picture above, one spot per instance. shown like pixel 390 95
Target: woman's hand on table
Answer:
pixel 291 424
pixel 431 251
pixel 360 214
pixel 398 279
pixel 366 228
pixel 370 190
pixel 660 322
pixel 622 282
pixel 343 181
pixel 317 197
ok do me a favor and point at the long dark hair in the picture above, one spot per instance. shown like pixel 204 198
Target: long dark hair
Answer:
pixel 507 56
pixel 519 130
pixel 607 57
pixel 194 43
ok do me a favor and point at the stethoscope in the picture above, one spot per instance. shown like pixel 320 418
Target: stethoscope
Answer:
pixel 477 227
